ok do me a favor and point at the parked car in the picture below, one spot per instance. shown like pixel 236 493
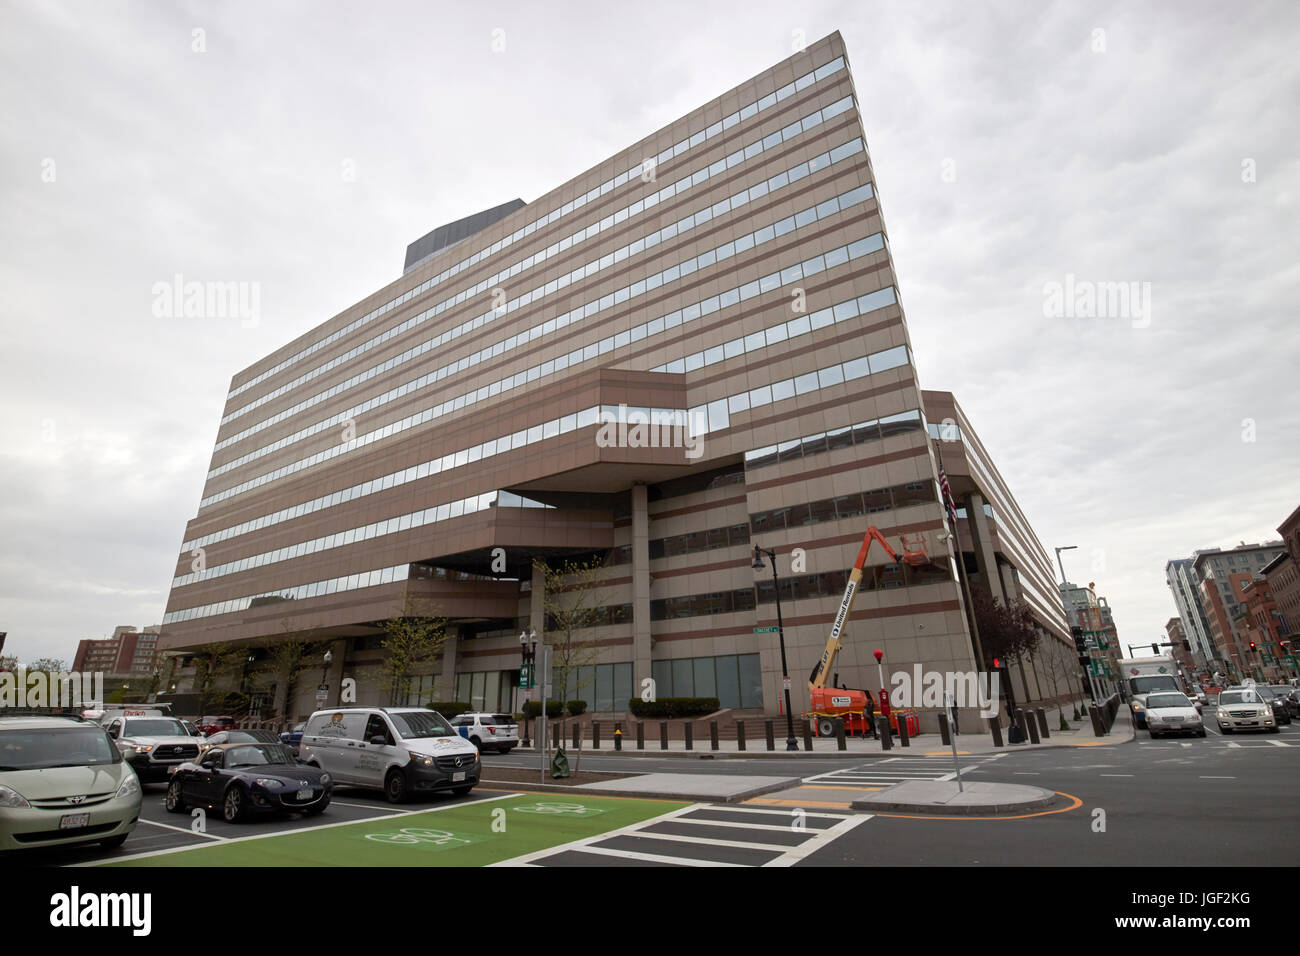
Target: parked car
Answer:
pixel 1241 708
pixel 1281 713
pixel 398 750
pixel 153 745
pixel 211 725
pixel 1172 714
pixel 63 782
pixel 293 738
pixel 497 732
pixel 241 779
pixel 239 737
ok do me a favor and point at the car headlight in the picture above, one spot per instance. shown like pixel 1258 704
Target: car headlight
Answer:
pixel 142 748
pixel 130 785
pixel 1222 714
pixel 1137 707
pixel 268 783
pixel 14 800
pixel 422 759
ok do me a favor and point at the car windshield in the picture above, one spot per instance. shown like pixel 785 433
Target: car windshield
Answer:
pixel 259 755
pixel 1265 693
pixel 154 727
pixel 1145 685
pixel 1238 697
pixel 81 746
pixel 414 725
pixel 1156 701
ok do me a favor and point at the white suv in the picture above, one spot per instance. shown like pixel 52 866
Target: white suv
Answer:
pixel 1240 708
pixel 497 732
pixel 399 750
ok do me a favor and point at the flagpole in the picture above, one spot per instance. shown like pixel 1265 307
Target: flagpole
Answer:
pixel 950 510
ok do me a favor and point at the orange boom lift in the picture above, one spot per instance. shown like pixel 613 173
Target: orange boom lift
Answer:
pixel 828 703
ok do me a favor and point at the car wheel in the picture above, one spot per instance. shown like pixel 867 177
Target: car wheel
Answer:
pixel 1274 729
pixel 319 808
pixel 395 786
pixel 232 805
pixel 825 727
pixel 1226 730
pixel 506 750
pixel 477 743
pixel 1153 734
pixel 112 843
pixel 461 791
pixel 174 803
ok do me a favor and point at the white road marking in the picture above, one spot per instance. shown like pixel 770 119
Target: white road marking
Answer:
pixel 367 806
pixel 1114 774
pixel 1234 745
pixel 1203 777
pixel 168 826
pixel 1279 743
pixel 823 838
pixel 644 857
pixel 587 841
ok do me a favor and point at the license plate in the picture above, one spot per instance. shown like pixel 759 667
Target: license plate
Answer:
pixel 304 794
pixel 458 775
pixel 71 821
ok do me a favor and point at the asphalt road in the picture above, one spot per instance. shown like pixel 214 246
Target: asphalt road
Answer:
pixel 1218 801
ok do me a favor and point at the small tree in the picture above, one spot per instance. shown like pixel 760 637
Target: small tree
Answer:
pixel 8 662
pixel 413 640
pixel 221 665
pixel 47 665
pixel 288 658
pixel 572 602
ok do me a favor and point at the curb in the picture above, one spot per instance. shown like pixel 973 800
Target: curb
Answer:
pixel 927 809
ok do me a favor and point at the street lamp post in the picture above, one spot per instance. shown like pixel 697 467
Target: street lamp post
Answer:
pixel 324 673
pixel 1059 562
pixel 790 742
pixel 528 652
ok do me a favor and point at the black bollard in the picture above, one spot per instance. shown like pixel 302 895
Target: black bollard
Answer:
pixel 996 729
pixel 740 735
pixel 713 735
pixel 943 730
pixel 1042 723
pixel 1032 726
pixel 640 735
pixel 771 735
pixel 840 743
pixel 663 735
pixel 807 735
pixel 618 737
pixel 595 735
pixel 577 729
pixel 903 739
pixel 886 735
pixel 690 743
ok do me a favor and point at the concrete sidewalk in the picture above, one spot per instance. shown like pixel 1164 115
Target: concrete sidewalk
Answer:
pixel 857 748
pixel 943 798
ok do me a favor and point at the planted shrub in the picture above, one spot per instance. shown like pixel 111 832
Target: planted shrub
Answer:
pixel 670 707
pixel 576 708
pixel 533 708
pixel 449 708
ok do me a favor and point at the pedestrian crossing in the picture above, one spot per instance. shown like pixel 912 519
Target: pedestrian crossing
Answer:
pixel 706 835
pixel 885 773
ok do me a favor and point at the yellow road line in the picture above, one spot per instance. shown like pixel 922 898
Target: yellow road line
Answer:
pixel 1023 816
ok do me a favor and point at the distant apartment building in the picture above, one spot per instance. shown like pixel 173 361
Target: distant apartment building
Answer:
pixel 1175 636
pixel 1090 613
pixel 1214 570
pixel 128 653
pixel 1180 575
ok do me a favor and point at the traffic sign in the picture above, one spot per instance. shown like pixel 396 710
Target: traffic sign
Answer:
pixel 765 630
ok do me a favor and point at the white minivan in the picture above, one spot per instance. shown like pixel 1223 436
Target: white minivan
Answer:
pixel 399 750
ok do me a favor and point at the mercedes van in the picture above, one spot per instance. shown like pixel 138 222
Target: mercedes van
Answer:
pixel 399 750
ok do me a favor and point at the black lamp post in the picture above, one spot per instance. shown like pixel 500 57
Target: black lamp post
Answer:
pixel 324 673
pixel 528 652
pixel 790 742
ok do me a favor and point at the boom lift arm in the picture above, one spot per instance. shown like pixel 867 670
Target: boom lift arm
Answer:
pixel 823 668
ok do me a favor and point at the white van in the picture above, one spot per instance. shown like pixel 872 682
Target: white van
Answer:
pixel 399 750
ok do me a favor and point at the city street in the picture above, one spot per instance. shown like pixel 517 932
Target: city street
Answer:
pixel 1175 802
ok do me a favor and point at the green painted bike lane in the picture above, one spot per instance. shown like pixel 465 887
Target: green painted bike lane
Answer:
pixel 472 834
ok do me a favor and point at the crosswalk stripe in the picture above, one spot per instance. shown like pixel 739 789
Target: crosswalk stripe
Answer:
pixel 649 857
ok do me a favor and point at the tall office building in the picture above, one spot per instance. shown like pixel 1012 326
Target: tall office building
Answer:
pixel 1183 584
pixel 691 349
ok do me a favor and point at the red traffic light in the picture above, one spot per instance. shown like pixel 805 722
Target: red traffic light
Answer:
pixel 1252 645
pixel 997 665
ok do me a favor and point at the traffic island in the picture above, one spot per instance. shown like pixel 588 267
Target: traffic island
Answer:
pixel 942 798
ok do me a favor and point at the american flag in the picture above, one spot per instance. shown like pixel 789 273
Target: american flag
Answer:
pixel 947 497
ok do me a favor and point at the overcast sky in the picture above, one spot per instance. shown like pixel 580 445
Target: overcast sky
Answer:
pixel 305 144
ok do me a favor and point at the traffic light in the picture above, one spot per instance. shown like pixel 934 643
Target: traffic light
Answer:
pixel 1080 644
pixel 1253 647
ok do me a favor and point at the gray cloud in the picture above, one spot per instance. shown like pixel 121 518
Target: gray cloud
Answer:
pixel 227 165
